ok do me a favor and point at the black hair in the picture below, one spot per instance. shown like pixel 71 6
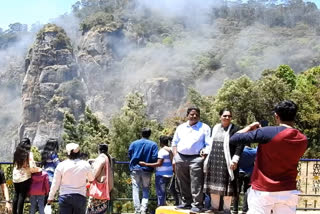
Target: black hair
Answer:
pixel 103 148
pixel 74 155
pixel 22 152
pixel 223 110
pixel 25 143
pixel 83 156
pixel 286 110
pixel 51 147
pixel 145 132
pixel 193 108
pixel 164 140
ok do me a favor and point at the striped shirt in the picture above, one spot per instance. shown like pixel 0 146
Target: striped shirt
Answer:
pixel 166 169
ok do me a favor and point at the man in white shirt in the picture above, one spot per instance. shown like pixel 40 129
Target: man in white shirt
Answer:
pixel 190 144
pixel 71 177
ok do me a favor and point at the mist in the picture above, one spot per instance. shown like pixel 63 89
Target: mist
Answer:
pixel 201 43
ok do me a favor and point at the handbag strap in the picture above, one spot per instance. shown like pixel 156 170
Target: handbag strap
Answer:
pixel 106 168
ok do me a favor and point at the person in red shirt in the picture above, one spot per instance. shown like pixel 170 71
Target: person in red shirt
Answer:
pixel 273 181
pixel 38 190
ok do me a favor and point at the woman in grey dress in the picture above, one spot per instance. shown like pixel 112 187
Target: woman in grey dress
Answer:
pixel 221 166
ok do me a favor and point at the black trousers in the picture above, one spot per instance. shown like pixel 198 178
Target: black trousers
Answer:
pixel 21 192
pixel 242 181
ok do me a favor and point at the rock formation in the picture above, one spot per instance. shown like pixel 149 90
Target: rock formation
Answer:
pixel 163 96
pixel 50 87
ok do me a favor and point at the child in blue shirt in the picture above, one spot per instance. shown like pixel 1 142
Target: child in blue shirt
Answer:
pixel 164 170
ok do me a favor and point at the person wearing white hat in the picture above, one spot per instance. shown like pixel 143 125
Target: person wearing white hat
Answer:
pixel 70 178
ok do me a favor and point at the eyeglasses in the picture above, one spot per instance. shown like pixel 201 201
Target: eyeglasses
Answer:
pixel 227 116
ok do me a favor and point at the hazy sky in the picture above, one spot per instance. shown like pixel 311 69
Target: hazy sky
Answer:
pixel 32 11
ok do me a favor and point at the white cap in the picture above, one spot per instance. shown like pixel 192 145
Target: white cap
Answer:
pixel 72 146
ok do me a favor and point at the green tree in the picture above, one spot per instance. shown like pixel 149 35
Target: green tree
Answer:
pixel 238 95
pixel 125 128
pixel 127 125
pixel 204 103
pixel 89 132
pixel 287 74
pixel 307 97
pixel 267 91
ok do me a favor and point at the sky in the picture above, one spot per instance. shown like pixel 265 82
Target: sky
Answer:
pixel 32 11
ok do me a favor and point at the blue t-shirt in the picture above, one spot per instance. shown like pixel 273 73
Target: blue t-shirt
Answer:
pixel 142 150
pixel 246 162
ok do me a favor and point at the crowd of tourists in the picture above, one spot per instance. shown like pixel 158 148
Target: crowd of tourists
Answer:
pixel 204 168
pixel 74 178
pixel 210 166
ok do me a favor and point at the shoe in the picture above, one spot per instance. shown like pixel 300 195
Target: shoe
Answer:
pixel 183 207
pixel 226 212
pixel 195 210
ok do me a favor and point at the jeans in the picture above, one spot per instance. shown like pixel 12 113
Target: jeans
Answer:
pixel 161 188
pixel 37 200
pixel 140 179
pixel 72 204
pixel 20 194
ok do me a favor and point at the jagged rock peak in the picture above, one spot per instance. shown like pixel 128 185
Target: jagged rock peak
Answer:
pixel 56 35
pixel 51 86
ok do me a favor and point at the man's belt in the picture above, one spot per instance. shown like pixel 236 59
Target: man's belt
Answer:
pixel 196 155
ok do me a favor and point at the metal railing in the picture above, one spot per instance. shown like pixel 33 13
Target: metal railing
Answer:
pixel 308 182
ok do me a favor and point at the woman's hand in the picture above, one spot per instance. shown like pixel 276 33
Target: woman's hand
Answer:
pixel 203 155
pixel 142 163
pixel 8 207
pixel 234 166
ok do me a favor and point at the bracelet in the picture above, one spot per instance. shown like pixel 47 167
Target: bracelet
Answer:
pixel 8 201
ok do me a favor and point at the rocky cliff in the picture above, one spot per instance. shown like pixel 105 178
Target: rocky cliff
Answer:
pixel 50 87
pixel 117 47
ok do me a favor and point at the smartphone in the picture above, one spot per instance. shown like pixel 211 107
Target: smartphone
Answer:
pixel 264 123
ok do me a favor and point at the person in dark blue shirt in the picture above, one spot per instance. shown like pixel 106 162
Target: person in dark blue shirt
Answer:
pixel 147 151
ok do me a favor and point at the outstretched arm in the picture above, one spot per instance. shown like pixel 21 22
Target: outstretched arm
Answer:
pixel 154 165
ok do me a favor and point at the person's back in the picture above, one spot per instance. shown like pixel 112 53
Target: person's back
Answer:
pixel 165 169
pixel 74 176
pixel 142 150
pixel 280 149
pixel 39 184
pixel 71 177
pixel 147 151
pixel 247 160
pixel 278 159
pixel 38 190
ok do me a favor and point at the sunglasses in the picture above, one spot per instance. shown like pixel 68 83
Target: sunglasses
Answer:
pixel 226 116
